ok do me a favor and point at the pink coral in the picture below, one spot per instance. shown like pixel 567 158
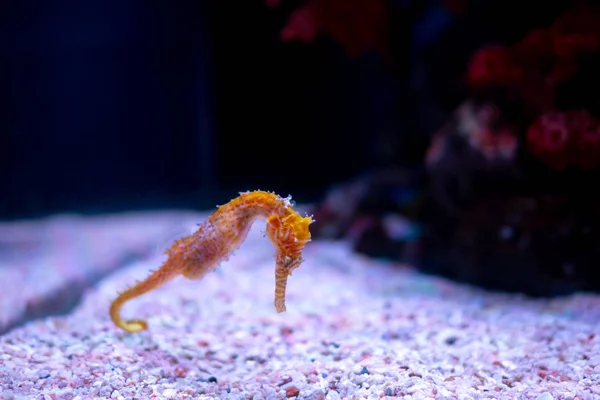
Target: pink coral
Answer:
pixel 566 138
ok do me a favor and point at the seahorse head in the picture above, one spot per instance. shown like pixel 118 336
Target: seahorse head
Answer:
pixel 300 227
pixel 289 231
pixel 289 234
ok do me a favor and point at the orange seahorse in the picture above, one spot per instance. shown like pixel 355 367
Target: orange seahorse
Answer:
pixel 214 241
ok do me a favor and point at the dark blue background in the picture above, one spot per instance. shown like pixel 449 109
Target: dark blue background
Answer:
pixel 112 104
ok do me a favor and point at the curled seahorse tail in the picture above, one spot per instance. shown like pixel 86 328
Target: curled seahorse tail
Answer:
pixel 281 276
pixel 153 281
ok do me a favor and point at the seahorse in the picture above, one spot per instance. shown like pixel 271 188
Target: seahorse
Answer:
pixel 216 238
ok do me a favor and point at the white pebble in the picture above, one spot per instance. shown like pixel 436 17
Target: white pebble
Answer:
pixel 169 393
pixel 333 395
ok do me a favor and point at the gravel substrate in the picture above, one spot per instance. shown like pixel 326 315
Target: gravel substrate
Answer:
pixel 354 329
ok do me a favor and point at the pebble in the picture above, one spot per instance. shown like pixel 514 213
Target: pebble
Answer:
pixel 333 395
pixel 292 391
pixel 43 374
pixel 284 380
pixel 315 395
pixel 169 393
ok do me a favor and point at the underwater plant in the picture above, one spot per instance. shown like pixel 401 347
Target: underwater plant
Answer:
pixel 216 238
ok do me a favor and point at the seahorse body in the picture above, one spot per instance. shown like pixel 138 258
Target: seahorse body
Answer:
pixel 215 239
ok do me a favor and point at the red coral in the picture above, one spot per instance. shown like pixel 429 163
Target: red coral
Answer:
pixel 575 32
pixel 575 44
pixel 537 44
pixel 301 26
pixel 566 138
pixel 581 18
pixel 532 69
pixel 358 25
pixel 547 138
pixel 535 52
pixel 543 57
pixel 494 65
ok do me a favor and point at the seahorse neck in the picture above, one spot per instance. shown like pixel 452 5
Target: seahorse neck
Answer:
pixel 259 204
pixel 235 219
